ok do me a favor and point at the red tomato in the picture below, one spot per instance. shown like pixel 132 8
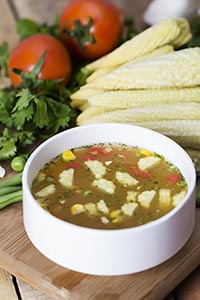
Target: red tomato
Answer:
pixel 106 28
pixel 57 63
pixel 74 165
pixel 174 177
pixel 89 157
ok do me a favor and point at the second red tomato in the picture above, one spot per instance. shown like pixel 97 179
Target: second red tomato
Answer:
pixel 106 27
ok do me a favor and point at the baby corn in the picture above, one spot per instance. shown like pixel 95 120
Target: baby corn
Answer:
pixel 99 72
pixel 178 69
pixel 134 98
pixel 174 128
pixel 185 33
pixel 103 71
pixel 176 111
pixel 83 93
pixel 154 37
pixel 91 112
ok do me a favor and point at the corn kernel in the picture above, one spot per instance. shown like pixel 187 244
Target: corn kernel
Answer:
pixel 145 152
pixel 117 220
pixel 68 155
pixel 77 209
pixel 115 213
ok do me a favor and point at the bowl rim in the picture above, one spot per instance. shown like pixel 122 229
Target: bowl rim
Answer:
pixel 139 228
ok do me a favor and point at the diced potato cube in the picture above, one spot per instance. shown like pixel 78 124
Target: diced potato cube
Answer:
pixel 48 190
pixel 66 178
pixel 105 185
pixel 176 199
pixel 104 220
pixel 108 162
pixel 165 197
pixel 91 208
pixel 77 209
pixel 129 208
pixel 131 196
pixel 41 176
pixel 148 162
pixel 97 168
pixel 117 220
pixel 102 207
pixel 68 155
pixel 125 179
pixel 146 197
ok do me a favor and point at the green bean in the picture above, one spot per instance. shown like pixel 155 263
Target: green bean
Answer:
pixel 14 180
pixel 10 198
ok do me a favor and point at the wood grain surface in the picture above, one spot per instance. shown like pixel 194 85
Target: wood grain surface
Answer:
pixel 7 289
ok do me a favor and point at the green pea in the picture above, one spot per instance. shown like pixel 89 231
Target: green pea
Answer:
pixel 18 163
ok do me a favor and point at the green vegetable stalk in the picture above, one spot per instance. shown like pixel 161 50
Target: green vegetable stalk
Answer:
pixel 12 181
pixel 11 190
pixel 198 199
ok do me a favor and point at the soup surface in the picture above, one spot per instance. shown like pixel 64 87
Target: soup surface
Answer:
pixel 108 186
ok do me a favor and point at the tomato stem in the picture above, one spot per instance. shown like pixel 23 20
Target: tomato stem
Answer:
pixel 81 33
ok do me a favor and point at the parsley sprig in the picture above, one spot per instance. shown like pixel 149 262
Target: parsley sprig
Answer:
pixel 37 109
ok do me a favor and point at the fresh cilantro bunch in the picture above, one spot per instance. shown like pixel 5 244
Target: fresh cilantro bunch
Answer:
pixel 37 109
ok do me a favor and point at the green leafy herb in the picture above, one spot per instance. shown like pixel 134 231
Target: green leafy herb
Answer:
pixel 37 109
pixel 4 55
pixel 198 199
pixel 195 29
pixel 27 27
pixel 81 33
pixel 129 28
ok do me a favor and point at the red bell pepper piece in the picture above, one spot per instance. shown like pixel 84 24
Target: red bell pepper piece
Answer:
pixel 89 157
pixel 174 177
pixel 74 165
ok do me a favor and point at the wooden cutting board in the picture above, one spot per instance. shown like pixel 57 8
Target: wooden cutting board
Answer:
pixel 19 257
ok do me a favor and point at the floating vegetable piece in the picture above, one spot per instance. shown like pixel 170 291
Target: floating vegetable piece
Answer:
pixel 91 208
pixel 104 184
pixel 125 179
pixel 146 197
pixel 178 198
pixel 102 207
pixel 97 168
pixel 46 191
pixel 77 209
pixel 165 197
pixel 68 155
pixel 131 196
pixel 66 178
pixel 129 208
pixel 145 163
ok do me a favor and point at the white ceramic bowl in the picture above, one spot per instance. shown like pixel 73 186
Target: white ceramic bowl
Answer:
pixel 109 252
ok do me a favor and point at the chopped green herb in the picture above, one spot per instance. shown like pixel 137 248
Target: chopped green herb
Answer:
pixel 87 193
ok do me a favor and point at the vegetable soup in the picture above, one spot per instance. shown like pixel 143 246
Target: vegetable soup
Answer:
pixel 109 186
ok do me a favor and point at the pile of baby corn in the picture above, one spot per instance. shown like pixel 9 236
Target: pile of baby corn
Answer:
pixel 148 81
